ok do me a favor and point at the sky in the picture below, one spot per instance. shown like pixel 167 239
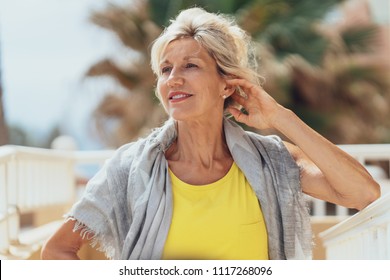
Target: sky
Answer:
pixel 46 47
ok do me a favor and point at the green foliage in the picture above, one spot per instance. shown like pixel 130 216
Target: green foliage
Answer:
pixel 287 26
pixel 359 38
pixel 164 10
pixel 293 40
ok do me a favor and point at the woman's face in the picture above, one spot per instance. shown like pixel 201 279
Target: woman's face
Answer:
pixel 189 85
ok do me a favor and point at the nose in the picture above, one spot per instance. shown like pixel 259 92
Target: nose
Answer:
pixel 175 78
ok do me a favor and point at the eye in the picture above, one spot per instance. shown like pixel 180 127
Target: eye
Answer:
pixel 165 69
pixel 191 65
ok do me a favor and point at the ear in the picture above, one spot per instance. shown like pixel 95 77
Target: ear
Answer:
pixel 228 90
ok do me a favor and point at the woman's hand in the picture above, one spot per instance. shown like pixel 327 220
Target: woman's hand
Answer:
pixel 327 172
pixel 261 108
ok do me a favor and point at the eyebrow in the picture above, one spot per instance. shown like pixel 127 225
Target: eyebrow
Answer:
pixel 187 57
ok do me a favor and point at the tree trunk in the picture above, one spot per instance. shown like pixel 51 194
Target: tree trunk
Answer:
pixel 3 126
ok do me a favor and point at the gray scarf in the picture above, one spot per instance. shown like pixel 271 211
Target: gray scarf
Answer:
pixel 127 206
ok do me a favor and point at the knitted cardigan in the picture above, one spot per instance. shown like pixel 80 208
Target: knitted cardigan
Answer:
pixel 127 205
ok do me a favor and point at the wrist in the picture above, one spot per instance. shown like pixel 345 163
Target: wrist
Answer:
pixel 281 117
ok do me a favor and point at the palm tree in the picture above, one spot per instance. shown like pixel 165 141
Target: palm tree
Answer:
pixel 314 72
pixel 326 74
pixel 349 94
pixel 318 70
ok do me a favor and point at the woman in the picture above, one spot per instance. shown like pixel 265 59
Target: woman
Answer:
pixel 200 187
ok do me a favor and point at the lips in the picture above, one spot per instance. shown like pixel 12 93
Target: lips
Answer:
pixel 178 96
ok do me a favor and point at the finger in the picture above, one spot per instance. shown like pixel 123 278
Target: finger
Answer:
pixel 245 86
pixel 238 115
pixel 241 100
pixel 242 83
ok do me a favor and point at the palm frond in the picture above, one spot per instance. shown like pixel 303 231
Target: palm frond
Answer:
pixel 293 41
pixel 123 118
pixel 359 38
pixel 288 27
pixel 107 67
pixel 164 10
pixel 132 25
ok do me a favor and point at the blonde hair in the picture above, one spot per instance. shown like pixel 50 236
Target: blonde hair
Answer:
pixel 225 41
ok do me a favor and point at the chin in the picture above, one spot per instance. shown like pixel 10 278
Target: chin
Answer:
pixel 182 116
pixel 178 117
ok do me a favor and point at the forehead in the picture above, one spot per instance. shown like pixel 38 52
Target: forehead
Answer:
pixel 184 49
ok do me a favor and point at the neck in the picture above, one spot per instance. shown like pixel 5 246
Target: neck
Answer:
pixel 201 143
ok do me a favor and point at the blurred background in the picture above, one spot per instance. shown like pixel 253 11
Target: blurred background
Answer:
pixel 81 67
pixel 75 75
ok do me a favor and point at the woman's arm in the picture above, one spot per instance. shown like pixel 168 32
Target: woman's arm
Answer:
pixel 327 172
pixel 64 244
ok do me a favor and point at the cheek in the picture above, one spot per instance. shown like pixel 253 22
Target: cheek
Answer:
pixel 161 89
pixel 161 83
pixel 161 93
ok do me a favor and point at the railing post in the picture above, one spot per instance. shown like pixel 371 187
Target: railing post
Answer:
pixel 12 181
pixel 341 211
pixel 319 207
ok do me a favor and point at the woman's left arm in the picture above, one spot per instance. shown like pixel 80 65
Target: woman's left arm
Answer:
pixel 327 172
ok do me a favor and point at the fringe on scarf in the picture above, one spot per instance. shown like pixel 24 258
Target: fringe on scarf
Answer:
pixel 97 241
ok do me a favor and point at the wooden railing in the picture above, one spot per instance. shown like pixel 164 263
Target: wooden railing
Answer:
pixel 37 186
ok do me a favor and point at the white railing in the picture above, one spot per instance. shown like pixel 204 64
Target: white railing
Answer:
pixel 33 180
pixel 365 235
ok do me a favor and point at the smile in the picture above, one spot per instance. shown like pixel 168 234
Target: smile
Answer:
pixel 179 96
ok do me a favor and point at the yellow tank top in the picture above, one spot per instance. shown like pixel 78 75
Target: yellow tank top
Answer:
pixel 219 221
